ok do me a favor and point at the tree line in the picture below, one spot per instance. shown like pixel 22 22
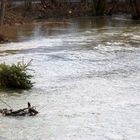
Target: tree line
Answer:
pixel 98 6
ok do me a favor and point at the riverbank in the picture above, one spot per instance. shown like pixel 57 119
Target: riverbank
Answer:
pixel 19 14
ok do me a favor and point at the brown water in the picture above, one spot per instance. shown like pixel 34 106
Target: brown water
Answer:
pixel 87 76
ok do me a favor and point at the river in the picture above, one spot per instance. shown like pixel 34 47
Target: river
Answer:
pixel 87 80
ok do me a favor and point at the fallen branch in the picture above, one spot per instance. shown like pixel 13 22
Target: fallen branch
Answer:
pixel 29 111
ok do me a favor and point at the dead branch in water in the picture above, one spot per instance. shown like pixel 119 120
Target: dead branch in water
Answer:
pixel 29 111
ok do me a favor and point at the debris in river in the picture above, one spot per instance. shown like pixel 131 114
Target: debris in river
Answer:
pixel 15 76
pixel 29 111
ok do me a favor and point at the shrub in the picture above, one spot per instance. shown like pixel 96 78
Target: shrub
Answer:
pixel 15 76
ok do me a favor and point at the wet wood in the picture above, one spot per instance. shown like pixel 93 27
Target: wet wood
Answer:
pixel 29 111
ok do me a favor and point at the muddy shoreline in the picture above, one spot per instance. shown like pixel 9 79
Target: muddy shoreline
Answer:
pixel 61 13
pixel 20 15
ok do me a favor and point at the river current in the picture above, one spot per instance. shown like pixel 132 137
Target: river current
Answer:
pixel 87 80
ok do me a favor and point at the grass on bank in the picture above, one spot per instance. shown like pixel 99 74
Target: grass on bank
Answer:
pixel 15 76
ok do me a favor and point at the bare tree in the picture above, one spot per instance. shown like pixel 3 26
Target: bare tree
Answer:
pixel 99 7
pixel 28 4
pixel 51 4
pixel 2 11
pixel 113 7
pixel 135 8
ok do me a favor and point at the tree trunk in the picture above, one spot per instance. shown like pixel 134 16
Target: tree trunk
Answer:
pixel 93 8
pixel 135 8
pixel 28 5
pixel 2 12
pixel 113 7
pixel 99 7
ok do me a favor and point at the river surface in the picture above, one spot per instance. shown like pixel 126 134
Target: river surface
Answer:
pixel 87 80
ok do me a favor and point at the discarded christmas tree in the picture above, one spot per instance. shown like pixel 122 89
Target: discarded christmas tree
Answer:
pixel 15 76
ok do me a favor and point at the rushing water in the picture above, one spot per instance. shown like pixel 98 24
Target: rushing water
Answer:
pixel 87 80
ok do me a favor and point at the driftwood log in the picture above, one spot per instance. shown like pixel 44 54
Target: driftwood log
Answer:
pixel 29 111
